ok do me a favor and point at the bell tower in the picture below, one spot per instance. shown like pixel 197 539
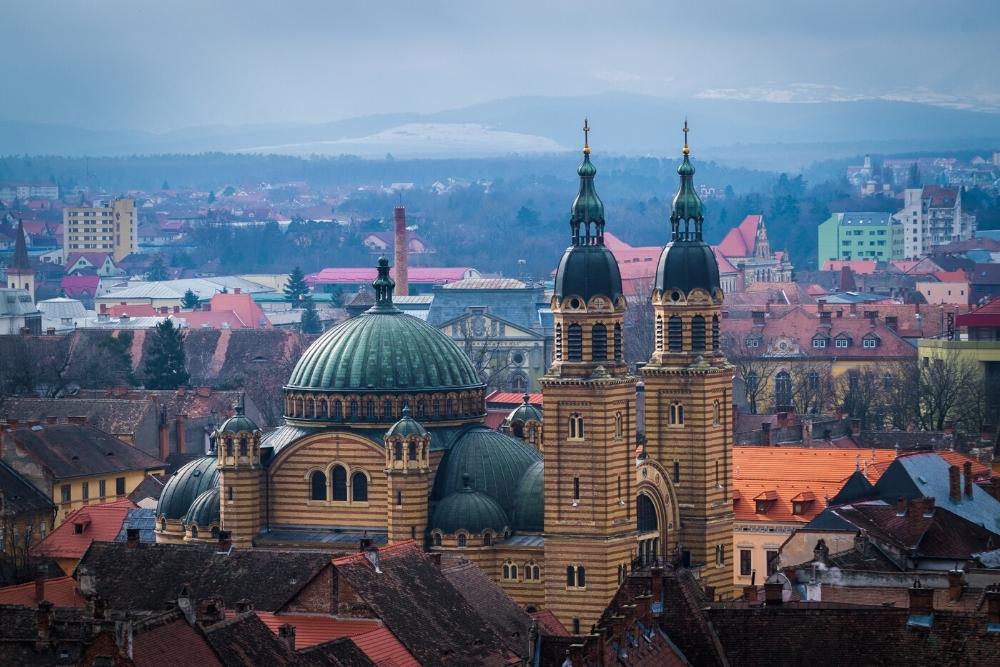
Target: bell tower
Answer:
pixel 688 384
pixel 408 475
pixel 240 476
pixel 588 423
pixel 20 275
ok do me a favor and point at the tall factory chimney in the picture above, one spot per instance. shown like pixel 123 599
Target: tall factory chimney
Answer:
pixel 402 270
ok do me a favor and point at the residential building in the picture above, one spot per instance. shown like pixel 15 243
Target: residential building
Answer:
pixel 170 293
pixel 951 287
pixel 20 275
pixel 748 248
pixel 860 235
pixel 75 464
pixel 23 191
pixel 18 313
pixel 932 216
pixel 113 229
pixel 26 516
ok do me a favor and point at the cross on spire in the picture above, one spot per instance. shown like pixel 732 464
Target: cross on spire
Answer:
pixel 686 149
pixel 586 136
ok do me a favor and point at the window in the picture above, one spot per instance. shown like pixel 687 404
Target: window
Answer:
pixel 813 381
pixel 675 334
pixel 618 424
pixel 576 426
pixel 359 487
pixel 576 576
pixel 746 562
pixel 317 486
pixel 752 341
pixel 752 382
pixel 120 486
pixel 230 493
pixel 599 343
pixel 244 445
pixel 618 342
pixel 487 539
pixel 506 570
pixel 720 555
pixel 338 480
pixel 338 410
pixel 716 338
pixel 870 343
pixel 85 490
pixel 677 472
pixel 532 572
pixel 387 410
pixel 819 342
pixel 576 488
pixel 782 389
pixel 697 333
pixel 462 540
pixel 676 414
pixel 436 539
pixel 412 451
pixel 715 414
pixel 397 451
pixel 65 492
pixel 354 409
pixel 659 332
pixel 842 342
pixel 370 409
pixel 399 498
pixel 576 626
pixel 574 339
pixel 772 562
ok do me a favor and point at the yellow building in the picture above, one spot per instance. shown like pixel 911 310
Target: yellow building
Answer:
pixel 76 464
pixel 384 440
pixel 112 229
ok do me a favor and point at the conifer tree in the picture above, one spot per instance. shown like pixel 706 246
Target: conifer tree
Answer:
pixel 165 359
pixel 157 271
pixel 190 300
pixel 310 322
pixel 296 289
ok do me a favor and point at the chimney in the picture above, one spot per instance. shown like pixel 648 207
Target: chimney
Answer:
pixel 364 544
pixel 782 418
pixel 576 655
pixel 177 309
pixel 821 552
pixel 402 269
pixel 750 593
pixel 132 537
pixel 104 308
pixel 921 599
pixel 954 485
pixel 921 508
pixel 180 424
pixel 855 426
pixel 643 609
pixel 51 331
pixel 243 606
pixel 435 559
pixel 39 586
pixel 955 585
pixel 211 610
pixel 164 310
pixel 774 593
pixel 43 621
pixel 225 541
pixel 758 318
pixel 656 584
pixel 286 633
pixel 238 290
pixel 993 604
pixel 967 477
pixel 901 506
pixel 820 305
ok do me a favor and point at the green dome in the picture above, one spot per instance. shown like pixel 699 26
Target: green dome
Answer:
pixel 204 511
pixel 525 412
pixel 184 486
pixel 383 349
pixel 685 265
pixel 587 271
pixel 687 203
pixel 238 423
pixel 496 463
pixel 468 509
pixel 529 499
pixel 406 427
pixel 587 207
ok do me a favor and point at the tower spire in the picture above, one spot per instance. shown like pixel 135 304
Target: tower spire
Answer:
pixel 686 216
pixel 587 215
pixel 20 258
pixel 384 286
pixel 686 150
pixel 586 137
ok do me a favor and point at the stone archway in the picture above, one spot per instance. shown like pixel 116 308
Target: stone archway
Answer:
pixel 656 514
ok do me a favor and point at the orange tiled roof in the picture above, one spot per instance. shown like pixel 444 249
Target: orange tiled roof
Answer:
pixel 60 591
pixel 783 474
pixel 101 523
pixel 513 398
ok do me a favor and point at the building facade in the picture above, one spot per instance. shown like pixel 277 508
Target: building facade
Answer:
pixel 384 439
pixel 864 235
pixel 113 229
pixel 933 216
pixel 748 248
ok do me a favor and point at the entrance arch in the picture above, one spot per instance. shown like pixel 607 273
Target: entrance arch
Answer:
pixel 656 515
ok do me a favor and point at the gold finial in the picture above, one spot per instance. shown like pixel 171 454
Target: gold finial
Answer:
pixel 686 149
pixel 586 137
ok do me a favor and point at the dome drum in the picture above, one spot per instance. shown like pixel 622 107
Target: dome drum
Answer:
pixel 380 408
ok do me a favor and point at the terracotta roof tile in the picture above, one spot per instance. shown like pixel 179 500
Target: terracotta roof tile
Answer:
pixel 60 591
pixel 174 642
pixel 548 624
pixel 97 523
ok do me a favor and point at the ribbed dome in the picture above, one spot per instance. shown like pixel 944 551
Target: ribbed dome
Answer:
pixel 469 510
pixel 529 500
pixel 587 271
pixel 238 423
pixel 204 511
pixel 383 350
pixel 406 427
pixel 524 413
pixel 495 462
pixel 185 485
pixel 685 265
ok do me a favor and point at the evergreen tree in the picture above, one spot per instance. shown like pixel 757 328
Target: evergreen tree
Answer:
pixel 157 271
pixel 310 322
pixel 913 181
pixel 165 359
pixel 296 289
pixel 190 300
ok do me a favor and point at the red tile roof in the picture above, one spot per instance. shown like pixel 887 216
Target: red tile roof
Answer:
pixel 417 274
pixel 176 643
pixel 132 310
pixel 243 306
pixel 384 649
pixel 548 624
pixel 863 266
pixel 101 523
pixel 74 286
pixel 940 197
pixel 951 276
pixel 740 240
pixel 987 315
pixel 60 591
pixel 512 398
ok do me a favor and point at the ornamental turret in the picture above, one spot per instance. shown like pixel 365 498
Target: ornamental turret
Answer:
pixel 237 449
pixel 408 478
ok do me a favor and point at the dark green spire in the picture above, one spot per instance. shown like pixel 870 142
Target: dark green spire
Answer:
pixel 384 285
pixel 588 209
pixel 20 258
pixel 687 203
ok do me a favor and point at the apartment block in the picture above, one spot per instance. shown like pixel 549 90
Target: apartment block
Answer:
pixel 112 229
pixel 933 216
pixel 864 235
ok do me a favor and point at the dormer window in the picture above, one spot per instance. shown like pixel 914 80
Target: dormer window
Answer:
pixel 753 341
pixel 819 342
pixel 843 342
pixel 764 501
pixel 870 341
pixel 802 502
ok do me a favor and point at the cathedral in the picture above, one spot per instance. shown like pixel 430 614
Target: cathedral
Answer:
pixel 384 439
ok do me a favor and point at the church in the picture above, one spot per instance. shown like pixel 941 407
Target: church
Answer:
pixel 384 439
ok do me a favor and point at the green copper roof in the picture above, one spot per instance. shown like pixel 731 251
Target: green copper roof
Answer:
pixel 496 463
pixel 238 423
pixel 189 482
pixel 525 412
pixel 529 499
pixel 468 509
pixel 587 271
pixel 204 511
pixel 687 203
pixel 685 265
pixel 406 427
pixel 587 207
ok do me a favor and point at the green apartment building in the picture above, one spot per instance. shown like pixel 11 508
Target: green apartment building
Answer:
pixel 862 235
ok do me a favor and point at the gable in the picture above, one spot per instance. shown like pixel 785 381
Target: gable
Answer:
pixel 484 325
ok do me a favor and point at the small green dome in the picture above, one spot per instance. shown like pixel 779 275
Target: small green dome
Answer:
pixel 525 412
pixel 184 486
pixel 529 500
pixel 495 461
pixel 238 423
pixel 587 207
pixel 468 509
pixel 587 271
pixel 204 511
pixel 384 349
pixel 406 427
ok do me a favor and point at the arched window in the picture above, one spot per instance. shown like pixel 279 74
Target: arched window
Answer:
pixel 420 409
pixel 782 389
pixel 354 409
pixel 618 425
pixel 675 334
pixel 310 408
pixel 576 488
pixel 230 492
pixel 462 539
pixel 575 342
pixel 412 451
pixel 659 332
pixel 359 487
pixel 397 451
pixel 570 576
pixel 581 576
pixel 436 539
pixel 317 486
pixel 715 333
pixel 215 532
pixel 697 333
pixel 645 514
pixel 244 445
pixel 715 414
pixel 451 407
pixel 618 342
pixel 163 524
pixel 513 571
pixel 752 382
pixel 813 381
pixel 506 570
pixel 338 480
pixel 323 407
pixel 532 572
pixel 599 342
pixel 487 539
pixel 387 409
pixel 370 410
pixel 576 426
pixel 436 407
pixel 676 414
pixel 399 498
pixel 559 344
pixel 229 445
pixel 338 410
pixel 194 531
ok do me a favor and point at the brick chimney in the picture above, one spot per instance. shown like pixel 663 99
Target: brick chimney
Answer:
pixel 993 604
pixel 402 269
pixel 774 593
pixel 921 507
pixel 954 484
pixel 955 585
pixel 656 584
pixel 921 599
pixel 967 478
pixel 211 610
pixel 750 593
pixel 132 537
pixel 243 606
pixel 286 633
pixel 855 426
pixel 180 425
pixel 43 622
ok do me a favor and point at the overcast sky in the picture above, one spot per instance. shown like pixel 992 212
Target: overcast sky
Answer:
pixel 168 64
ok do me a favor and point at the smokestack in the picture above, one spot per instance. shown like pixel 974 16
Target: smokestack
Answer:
pixel 402 270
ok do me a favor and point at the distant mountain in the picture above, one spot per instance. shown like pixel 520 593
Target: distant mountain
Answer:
pixel 758 134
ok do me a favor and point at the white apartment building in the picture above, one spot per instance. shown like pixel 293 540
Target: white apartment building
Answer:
pixel 933 216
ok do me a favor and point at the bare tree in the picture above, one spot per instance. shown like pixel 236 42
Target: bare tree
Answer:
pixel 813 388
pixel 945 383
pixel 749 354
pixel 263 384
pixel 900 396
pixel 484 347
pixel 858 392
pixel 639 324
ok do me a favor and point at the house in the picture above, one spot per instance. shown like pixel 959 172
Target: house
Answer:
pixel 75 464
pixel 747 247
pixel 85 263
pixel 26 517
pixel 18 313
